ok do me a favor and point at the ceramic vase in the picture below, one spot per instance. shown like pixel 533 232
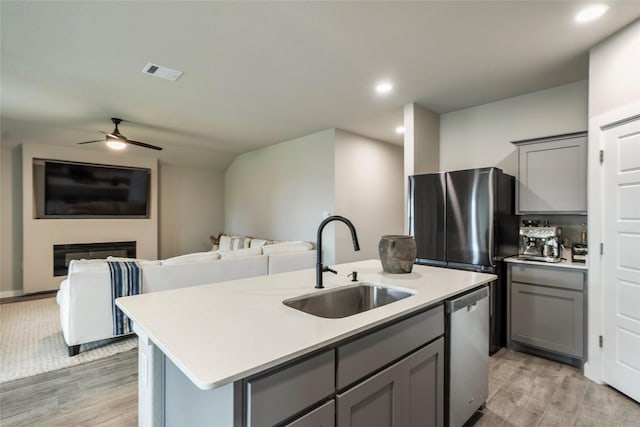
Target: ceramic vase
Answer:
pixel 397 253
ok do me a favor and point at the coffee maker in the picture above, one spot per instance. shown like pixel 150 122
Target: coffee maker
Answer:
pixel 540 243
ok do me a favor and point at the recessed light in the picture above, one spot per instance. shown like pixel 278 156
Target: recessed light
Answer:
pixel 400 129
pixel 591 13
pixel 384 87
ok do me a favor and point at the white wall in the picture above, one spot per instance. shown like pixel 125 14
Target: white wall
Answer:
pixel 280 192
pixel 191 208
pixel 39 235
pixel 614 71
pixel 369 180
pixel 614 94
pixel 481 136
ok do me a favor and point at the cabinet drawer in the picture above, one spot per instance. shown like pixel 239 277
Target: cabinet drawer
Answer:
pixel 548 276
pixel 324 416
pixel 369 353
pixel 276 396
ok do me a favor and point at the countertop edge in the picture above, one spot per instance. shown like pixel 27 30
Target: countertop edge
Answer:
pixel 239 374
pixel 566 264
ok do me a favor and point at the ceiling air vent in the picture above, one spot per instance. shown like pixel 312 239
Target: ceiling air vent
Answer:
pixel 162 72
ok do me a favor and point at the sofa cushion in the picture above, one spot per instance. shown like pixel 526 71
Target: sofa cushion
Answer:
pixel 232 243
pixel 285 247
pixel 241 252
pixel 81 265
pixel 190 258
pixel 256 243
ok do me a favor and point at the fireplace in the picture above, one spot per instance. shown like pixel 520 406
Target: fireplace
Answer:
pixel 63 254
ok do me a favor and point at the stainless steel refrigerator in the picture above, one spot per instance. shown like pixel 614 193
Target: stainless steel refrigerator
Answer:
pixel 465 220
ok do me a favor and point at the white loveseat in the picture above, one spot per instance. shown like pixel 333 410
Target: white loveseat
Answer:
pixel 85 295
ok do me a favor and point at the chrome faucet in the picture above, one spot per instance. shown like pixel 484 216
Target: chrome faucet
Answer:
pixel 322 268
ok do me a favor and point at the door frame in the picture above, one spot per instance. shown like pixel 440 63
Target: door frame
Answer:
pixel 594 367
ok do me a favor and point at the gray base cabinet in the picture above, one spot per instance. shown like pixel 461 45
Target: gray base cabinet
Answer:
pixel 552 174
pixel 547 309
pixel 409 393
pixel 393 376
pixel 324 416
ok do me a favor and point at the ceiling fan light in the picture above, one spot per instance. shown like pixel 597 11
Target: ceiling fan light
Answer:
pixel 114 144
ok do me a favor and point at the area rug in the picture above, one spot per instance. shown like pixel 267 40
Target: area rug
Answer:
pixel 31 341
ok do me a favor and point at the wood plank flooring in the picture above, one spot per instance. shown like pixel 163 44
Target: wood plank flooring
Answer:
pixel 524 390
pixel 99 393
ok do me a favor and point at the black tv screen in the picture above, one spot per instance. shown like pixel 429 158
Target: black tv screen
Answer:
pixel 86 190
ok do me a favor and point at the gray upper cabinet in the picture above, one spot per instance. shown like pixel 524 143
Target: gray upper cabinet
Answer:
pixel 552 174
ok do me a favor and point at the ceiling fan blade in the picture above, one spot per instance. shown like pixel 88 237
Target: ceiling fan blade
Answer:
pixel 141 144
pixel 89 142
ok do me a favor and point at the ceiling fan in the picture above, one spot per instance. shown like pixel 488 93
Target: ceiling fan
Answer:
pixel 118 141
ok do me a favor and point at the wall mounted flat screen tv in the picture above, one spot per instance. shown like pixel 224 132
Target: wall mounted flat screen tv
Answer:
pixel 73 190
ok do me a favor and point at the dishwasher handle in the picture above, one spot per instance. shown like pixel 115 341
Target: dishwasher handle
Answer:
pixel 466 300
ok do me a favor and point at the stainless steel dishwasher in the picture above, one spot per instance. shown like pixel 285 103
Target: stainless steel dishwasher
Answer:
pixel 468 355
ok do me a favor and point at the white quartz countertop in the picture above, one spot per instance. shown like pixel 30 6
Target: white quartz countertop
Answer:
pixel 223 332
pixel 565 263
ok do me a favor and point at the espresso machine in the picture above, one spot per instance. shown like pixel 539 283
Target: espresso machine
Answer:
pixel 540 243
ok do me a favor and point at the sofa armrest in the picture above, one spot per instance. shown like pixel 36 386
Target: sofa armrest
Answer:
pixel 85 307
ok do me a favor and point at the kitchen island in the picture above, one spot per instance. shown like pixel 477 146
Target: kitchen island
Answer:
pixel 205 351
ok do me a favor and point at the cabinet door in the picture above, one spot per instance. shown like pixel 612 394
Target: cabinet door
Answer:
pixel 547 318
pixel 423 387
pixel 324 416
pixel 375 402
pixel 276 396
pixel 409 393
pixel 553 176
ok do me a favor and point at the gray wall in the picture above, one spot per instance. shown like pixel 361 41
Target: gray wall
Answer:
pixel 10 223
pixel 614 94
pixel 280 192
pixel 369 191
pixel 190 204
pixel 191 209
pixel 614 71
pixel 284 191
pixel 481 136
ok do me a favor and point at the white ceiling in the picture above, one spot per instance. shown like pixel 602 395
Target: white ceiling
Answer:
pixel 259 73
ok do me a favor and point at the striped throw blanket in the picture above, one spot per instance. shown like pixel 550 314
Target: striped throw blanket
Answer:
pixel 126 279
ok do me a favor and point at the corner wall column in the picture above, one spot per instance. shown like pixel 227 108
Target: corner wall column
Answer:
pixel 421 146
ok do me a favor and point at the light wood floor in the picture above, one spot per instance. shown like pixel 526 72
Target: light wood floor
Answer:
pixel 99 393
pixel 528 391
pixel 523 391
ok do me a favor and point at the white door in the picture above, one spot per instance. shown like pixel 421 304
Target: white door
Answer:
pixel 621 258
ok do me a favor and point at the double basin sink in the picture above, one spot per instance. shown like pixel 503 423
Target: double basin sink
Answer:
pixel 347 300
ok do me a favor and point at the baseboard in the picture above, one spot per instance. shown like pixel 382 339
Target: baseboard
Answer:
pixel 10 294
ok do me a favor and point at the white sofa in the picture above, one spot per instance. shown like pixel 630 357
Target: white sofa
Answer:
pixel 85 295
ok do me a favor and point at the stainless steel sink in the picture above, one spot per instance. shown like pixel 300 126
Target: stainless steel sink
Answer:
pixel 347 300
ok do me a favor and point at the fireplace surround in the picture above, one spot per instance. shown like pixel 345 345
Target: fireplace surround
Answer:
pixel 63 254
